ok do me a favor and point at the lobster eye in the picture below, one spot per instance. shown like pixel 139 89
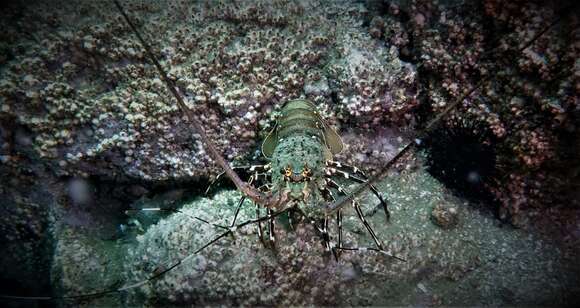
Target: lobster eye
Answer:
pixel 306 172
pixel 288 171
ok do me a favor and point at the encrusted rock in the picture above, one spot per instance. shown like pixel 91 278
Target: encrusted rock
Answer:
pixel 106 111
pixel 445 215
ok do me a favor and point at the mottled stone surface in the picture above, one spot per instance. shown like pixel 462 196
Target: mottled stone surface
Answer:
pixel 478 262
pixel 92 104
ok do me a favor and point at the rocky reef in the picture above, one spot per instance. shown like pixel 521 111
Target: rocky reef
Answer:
pixel 527 108
pixel 93 105
pixel 88 130
pixel 474 260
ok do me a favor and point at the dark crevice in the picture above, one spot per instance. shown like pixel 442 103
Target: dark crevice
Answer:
pixel 15 287
pixel 463 160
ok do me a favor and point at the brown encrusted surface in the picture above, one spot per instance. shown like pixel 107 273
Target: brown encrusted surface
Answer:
pixel 92 104
pixel 478 262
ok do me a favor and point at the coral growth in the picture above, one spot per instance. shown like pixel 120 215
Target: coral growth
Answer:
pixel 529 102
pixel 93 104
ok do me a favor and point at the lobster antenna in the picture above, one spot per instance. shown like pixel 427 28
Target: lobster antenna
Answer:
pixel 254 195
pixel 157 275
pixel 417 139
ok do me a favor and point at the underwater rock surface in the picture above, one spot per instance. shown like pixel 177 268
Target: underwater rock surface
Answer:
pixel 89 130
pixel 478 262
pixel 93 105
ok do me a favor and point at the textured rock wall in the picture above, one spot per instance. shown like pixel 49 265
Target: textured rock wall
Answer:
pixel 93 104
pixel 527 111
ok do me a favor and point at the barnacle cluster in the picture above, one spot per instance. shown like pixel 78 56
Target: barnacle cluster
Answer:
pixel 93 104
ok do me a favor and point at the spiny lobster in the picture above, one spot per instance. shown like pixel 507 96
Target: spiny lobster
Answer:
pixel 300 148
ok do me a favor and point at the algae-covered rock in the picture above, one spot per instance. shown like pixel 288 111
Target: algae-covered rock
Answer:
pixel 477 262
pixel 83 264
pixel 82 84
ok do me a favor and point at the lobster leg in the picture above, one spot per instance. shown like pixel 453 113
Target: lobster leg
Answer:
pixel 271 227
pixel 262 177
pixel 253 168
pixel 263 188
pixel 352 169
pixel 361 217
pixel 339 226
pixel 290 221
pixel 254 177
pixel 359 213
pixel 323 232
pixel 360 177
pixel 325 236
pixel 363 249
pixel 174 210
pixel 259 224
pixel 242 199
pixel 329 197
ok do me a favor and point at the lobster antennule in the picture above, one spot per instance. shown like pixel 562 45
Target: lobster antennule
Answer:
pixel 332 139
pixel 270 143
